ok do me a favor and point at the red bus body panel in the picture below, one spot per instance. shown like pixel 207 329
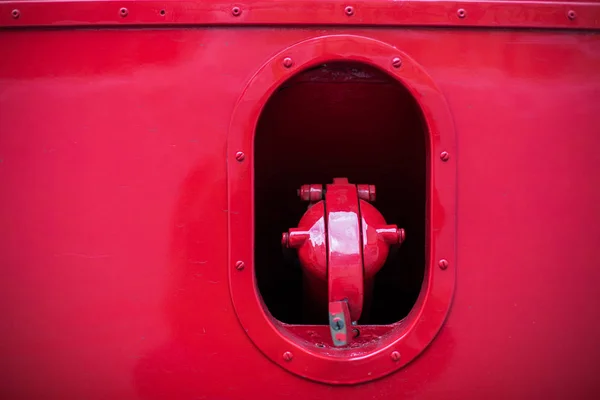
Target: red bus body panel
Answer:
pixel 114 204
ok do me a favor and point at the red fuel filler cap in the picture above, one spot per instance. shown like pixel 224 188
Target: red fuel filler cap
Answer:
pixel 342 240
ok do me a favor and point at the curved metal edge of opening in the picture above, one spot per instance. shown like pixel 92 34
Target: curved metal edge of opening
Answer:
pixel 413 334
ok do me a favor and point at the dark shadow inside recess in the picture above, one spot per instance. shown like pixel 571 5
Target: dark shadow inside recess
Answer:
pixel 340 120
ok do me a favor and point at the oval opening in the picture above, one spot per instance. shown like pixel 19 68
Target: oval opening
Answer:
pixel 340 119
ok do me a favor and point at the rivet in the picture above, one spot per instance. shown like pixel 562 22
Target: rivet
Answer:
pixel 444 156
pixel 461 13
pixel 123 12
pixel 288 62
pixel 236 11
pixel 396 62
pixel 15 13
pixel 240 156
pixel 288 356
pixel 395 356
pixel 349 10
pixel 239 265
pixel 162 13
pixel 443 263
pixel 571 15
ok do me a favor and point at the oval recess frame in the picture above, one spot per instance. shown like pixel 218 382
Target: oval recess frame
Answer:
pixel 413 334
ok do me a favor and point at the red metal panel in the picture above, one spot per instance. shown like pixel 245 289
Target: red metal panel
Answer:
pixel 492 13
pixel 414 333
pixel 114 215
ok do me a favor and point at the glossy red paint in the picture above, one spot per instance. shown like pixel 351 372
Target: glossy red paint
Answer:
pixel 341 256
pixel 309 239
pixel 309 192
pixel 563 14
pixel 377 237
pixel 411 335
pixel 114 161
pixel 345 269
